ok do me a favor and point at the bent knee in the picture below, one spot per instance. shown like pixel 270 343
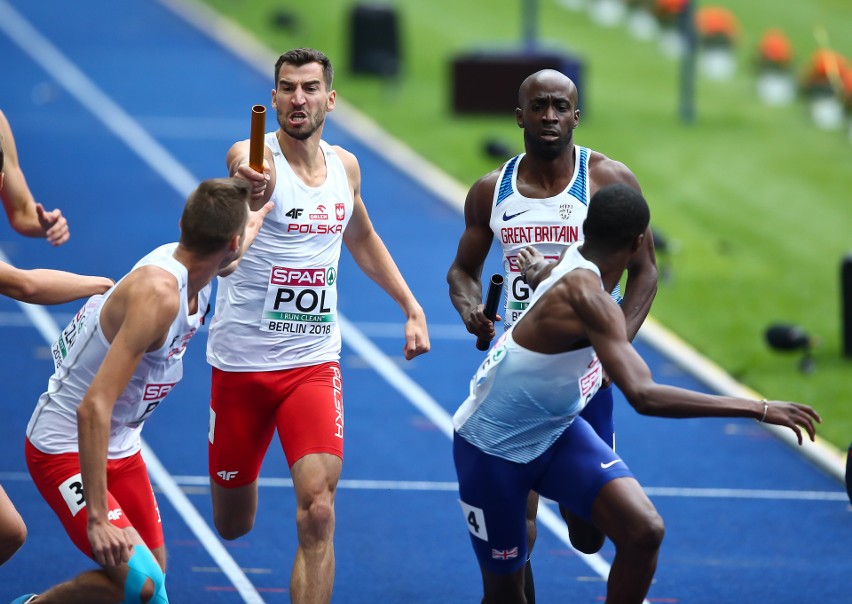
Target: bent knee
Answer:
pixel 145 579
pixel 17 537
pixel 232 527
pixel 648 534
pixel 317 519
pixel 320 511
pixel 12 539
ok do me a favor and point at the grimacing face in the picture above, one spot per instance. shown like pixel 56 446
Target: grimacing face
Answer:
pixel 301 99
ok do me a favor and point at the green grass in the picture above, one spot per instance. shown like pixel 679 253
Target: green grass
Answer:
pixel 755 200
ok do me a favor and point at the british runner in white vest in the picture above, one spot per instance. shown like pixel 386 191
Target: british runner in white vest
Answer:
pixel 520 429
pixel 540 198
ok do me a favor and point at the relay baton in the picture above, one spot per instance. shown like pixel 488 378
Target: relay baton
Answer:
pixel 258 132
pixel 492 299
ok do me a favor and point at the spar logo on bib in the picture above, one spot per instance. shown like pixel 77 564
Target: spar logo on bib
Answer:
pixel 302 277
pixel 301 301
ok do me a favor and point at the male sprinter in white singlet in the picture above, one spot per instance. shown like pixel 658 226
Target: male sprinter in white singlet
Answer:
pixel 519 428
pixel 275 340
pixel 549 225
pixel 540 199
pixel 114 364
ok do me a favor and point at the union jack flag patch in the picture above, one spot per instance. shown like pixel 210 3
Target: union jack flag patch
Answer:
pixel 504 554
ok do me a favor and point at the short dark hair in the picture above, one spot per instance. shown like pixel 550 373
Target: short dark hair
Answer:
pixel 214 212
pixel 617 214
pixel 303 56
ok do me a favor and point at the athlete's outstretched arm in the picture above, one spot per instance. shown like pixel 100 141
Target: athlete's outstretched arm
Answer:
pixel 372 257
pixel 606 329
pixel 46 286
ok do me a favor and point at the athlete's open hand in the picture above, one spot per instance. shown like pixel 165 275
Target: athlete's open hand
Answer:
pixel 254 223
pixel 527 257
pixel 793 415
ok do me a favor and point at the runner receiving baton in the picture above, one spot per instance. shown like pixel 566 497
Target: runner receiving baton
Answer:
pixel 492 299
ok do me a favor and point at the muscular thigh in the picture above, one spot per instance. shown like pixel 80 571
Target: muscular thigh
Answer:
pixel 493 496
pixel 59 481
pixel 242 422
pixel 310 419
pixel 579 464
pixel 128 482
pixel 305 404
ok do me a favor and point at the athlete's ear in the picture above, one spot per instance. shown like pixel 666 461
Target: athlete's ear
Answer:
pixel 274 103
pixel 637 243
pixel 576 118
pixel 519 117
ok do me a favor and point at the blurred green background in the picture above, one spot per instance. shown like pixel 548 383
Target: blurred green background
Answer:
pixel 754 200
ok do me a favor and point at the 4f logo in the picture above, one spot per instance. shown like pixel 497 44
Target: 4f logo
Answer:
pixel 295 213
pixel 226 475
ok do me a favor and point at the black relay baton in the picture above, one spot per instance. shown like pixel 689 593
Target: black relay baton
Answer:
pixel 492 299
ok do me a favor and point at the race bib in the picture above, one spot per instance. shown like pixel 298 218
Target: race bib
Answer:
pixel 517 291
pixel 62 347
pixel 301 301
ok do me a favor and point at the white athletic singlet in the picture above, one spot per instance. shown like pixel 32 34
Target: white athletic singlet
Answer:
pixel 521 401
pixel 549 224
pixel 278 310
pixel 78 354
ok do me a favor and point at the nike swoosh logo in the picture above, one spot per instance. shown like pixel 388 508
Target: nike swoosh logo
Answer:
pixel 507 217
pixel 604 466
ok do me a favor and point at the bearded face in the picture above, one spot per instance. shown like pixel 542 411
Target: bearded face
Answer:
pixel 301 100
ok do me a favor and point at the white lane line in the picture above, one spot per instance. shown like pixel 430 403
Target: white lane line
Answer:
pixel 747 494
pixel 447 486
pixel 427 485
pixel 127 130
